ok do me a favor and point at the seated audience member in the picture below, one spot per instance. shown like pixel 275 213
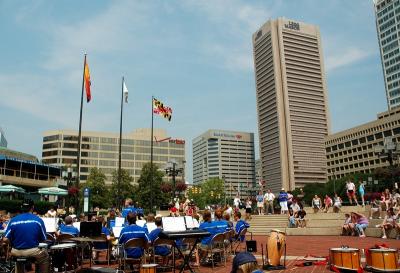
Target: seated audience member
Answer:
pixel 240 225
pixel 158 250
pixel 294 206
pixel 337 203
pixel 105 231
pixel 25 231
pixel 360 222
pixel 219 222
pixel 316 203
pixel 375 207
pixel 327 203
pixel 300 218
pixel 130 232
pixel 68 228
pixel 51 213
pixel 348 226
pixel 227 218
pixel 173 211
pixel 292 220
pixel 245 262
pixel 388 223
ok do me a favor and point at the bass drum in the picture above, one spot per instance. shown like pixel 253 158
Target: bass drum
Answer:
pixel 276 245
pixel 382 260
pixel 345 258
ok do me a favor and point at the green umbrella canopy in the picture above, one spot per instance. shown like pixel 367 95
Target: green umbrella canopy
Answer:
pixel 53 191
pixel 11 188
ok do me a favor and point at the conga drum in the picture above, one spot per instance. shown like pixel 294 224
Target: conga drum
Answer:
pixel 148 268
pixel 382 260
pixel 64 256
pixel 276 245
pixel 345 258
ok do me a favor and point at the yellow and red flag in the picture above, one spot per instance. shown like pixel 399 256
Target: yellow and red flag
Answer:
pixel 160 109
pixel 87 81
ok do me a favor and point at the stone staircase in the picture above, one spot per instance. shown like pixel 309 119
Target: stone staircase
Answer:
pixel 317 223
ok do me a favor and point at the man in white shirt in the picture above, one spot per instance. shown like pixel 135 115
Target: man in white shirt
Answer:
pixel 269 201
pixel 351 193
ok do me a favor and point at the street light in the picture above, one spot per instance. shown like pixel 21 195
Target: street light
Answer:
pixel 172 170
pixel 70 176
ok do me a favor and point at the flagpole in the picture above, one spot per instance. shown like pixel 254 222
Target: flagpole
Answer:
pixel 120 146
pixel 78 163
pixel 151 155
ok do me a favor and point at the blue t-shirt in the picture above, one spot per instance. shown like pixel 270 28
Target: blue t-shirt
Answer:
pixel 221 226
pixel 102 245
pixel 240 225
pixel 127 210
pixel 159 250
pixel 69 229
pixel 260 198
pixel 26 231
pixel 130 232
pixel 282 197
pixel 210 227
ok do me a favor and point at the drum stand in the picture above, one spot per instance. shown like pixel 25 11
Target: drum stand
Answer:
pixel 272 267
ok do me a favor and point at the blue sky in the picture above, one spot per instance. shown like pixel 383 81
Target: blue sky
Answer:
pixel 195 56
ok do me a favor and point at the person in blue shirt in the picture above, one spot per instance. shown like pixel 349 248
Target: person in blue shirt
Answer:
pixel 68 228
pixel 133 231
pixel 283 201
pixel 159 250
pixel 220 224
pixel 25 231
pixel 128 208
pixel 240 225
pixel 104 230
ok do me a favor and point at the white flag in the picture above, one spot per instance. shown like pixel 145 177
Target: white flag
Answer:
pixel 125 93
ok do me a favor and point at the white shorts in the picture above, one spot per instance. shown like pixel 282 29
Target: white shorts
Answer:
pixel 283 205
pixel 260 204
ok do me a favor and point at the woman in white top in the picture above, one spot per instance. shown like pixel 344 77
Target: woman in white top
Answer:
pixel 316 203
pixel 248 208
pixel 337 203
pixel 388 223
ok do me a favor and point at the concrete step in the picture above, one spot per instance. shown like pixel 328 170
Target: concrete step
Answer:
pixel 314 231
pixel 345 209
pixel 325 216
pixel 377 233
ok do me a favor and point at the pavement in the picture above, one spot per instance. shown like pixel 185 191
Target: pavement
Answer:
pixel 300 246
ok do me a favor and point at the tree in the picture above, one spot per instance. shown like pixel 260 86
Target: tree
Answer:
pixel 210 192
pixel 149 186
pixel 96 182
pixel 121 190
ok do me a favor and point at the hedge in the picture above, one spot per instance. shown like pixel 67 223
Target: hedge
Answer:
pixel 13 206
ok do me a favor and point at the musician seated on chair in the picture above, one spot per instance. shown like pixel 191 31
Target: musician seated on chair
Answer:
pixel 159 250
pixel 104 230
pixel 128 208
pixel 133 231
pixel 240 225
pixel 25 231
pixel 210 227
pixel 220 223
pixel 67 227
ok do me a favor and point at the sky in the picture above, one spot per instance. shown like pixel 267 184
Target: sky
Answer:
pixel 194 55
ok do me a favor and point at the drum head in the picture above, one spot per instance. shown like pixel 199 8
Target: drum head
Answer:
pixel 149 265
pixel 63 246
pixel 382 250
pixel 339 249
pixel 43 245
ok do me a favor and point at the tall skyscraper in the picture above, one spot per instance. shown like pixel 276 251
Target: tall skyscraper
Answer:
pixel 101 150
pixel 387 16
pixel 291 103
pixel 227 155
pixel 3 141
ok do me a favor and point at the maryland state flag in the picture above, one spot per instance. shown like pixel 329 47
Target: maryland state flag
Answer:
pixel 160 109
pixel 86 77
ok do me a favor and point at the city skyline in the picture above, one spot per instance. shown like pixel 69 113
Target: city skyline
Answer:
pixel 194 56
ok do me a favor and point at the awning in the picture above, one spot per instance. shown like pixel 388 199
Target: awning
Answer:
pixel 53 191
pixel 11 188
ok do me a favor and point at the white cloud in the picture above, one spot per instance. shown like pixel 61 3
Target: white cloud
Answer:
pixel 345 57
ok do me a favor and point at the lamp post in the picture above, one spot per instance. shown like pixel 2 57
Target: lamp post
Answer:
pixel 172 170
pixel 70 176
pixel 334 181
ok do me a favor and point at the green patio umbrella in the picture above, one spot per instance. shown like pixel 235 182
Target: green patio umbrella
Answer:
pixel 53 191
pixel 11 188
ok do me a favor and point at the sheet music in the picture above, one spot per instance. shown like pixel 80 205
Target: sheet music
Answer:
pixel 117 231
pixel 189 222
pixel 151 226
pixel 50 224
pixel 174 223
pixel 196 223
pixel 140 223
pixel 77 225
pixel 119 221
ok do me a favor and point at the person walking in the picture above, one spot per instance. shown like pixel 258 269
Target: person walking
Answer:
pixel 269 201
pixel 361 191
pixel 351 194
